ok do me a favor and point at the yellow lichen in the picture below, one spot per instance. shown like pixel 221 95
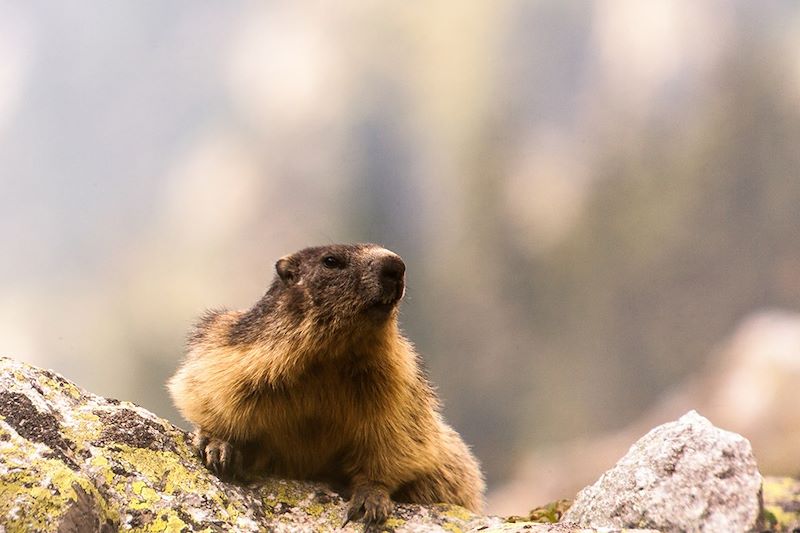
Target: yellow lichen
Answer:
pixel 168 523
pixel 137 486
pixel 60 386
pixel 89 419
pixel 450 526
pixel 157 469
pixel 233 512
pixel 781 495
pixel 148 498
pixel 80 435
pixel 550 513
pixel 393 523
pixel 455 511
pixel 43 504
pixel 315 509
pixel 100 463
pixel 288 493
pixel 158 466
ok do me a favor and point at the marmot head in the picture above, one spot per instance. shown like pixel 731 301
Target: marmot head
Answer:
pixel 337 284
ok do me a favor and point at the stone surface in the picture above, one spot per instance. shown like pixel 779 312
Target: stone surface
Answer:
pixel 71 461
pixel 748 385
pixel 682 476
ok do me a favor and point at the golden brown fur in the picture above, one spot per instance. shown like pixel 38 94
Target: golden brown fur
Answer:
pixel 317 382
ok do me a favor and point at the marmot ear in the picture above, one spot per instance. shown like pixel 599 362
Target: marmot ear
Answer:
pixel 286 270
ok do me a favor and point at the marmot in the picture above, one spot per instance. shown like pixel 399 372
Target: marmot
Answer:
pixel 317 382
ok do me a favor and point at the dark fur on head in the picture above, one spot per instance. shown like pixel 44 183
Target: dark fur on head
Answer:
pixel 330 288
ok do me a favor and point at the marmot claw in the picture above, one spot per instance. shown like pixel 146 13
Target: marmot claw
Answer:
pixel 371 502
pixel 219 456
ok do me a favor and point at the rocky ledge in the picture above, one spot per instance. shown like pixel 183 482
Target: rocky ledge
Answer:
pixel 71 461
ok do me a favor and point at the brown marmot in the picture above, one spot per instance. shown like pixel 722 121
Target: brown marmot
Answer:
pixel 317 382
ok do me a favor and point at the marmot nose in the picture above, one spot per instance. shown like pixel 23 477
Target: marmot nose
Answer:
pixel 391 268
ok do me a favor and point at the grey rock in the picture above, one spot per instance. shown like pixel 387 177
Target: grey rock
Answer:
pixel 682 476
pixel 71 461
pixel 74 462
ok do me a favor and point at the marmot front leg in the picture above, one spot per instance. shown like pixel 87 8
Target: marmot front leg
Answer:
pixel 219 456
pixel 371 501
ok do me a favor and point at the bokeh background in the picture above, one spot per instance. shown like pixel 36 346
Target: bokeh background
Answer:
pixel 596 201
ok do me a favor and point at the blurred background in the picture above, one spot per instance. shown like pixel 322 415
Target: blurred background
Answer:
pixel 598 202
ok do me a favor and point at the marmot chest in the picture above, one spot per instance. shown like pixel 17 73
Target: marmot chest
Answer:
pixel 330 401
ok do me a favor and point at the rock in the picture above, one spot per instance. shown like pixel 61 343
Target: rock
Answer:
pixel 682 476
pixel 747 385
pixel 73 462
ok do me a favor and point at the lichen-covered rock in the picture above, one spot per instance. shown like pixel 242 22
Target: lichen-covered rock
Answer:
pixel 73 462
pixel 682 476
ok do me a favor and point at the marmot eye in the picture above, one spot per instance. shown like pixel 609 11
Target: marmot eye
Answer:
pixel 331 261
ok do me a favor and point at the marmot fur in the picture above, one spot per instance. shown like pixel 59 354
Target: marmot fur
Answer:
pixel 317 382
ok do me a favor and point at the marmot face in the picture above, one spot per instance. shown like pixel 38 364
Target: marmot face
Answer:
pixel 338 284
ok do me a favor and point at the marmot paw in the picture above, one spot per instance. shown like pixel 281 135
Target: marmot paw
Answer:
pixel 219 456
pixel 373 503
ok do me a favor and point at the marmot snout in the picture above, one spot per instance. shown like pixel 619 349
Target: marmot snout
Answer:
pixel 391 273
pixel 316 381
